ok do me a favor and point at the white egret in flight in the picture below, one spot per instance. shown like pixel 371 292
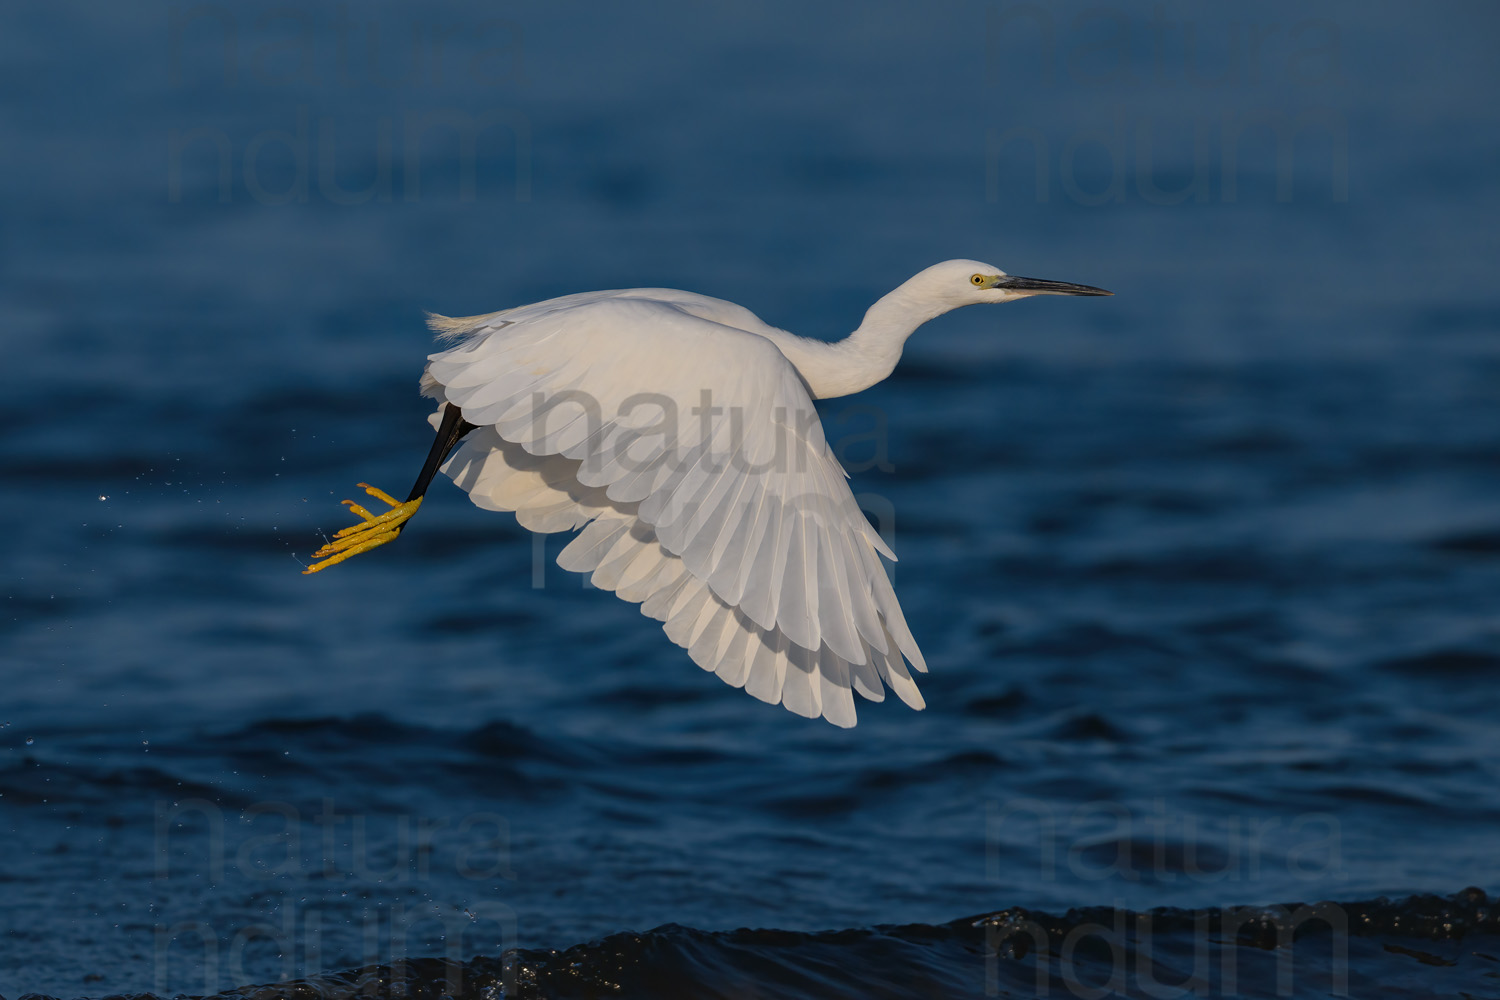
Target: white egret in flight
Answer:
pixel 678 431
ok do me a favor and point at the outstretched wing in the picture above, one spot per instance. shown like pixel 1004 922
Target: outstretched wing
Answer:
pixel 691 455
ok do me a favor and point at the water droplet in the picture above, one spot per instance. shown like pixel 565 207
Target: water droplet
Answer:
pixel 29 741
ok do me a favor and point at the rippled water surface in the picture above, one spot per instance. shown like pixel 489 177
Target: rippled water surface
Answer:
pixel 1206 573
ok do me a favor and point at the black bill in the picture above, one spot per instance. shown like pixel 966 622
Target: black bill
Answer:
pixel 1039 286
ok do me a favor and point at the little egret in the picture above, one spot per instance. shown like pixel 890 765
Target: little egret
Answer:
pixel 678 431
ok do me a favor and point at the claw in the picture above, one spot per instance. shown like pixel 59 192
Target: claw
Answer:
pixel 373 530
pixel 380 494
pixel 355 508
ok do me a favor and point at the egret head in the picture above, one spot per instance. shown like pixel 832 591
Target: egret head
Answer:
pixel 969 282
pixel 895 316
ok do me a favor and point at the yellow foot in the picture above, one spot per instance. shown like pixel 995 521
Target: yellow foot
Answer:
pixel 372 531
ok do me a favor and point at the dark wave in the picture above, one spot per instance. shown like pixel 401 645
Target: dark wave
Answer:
pixel 1417 946
pixel 299 757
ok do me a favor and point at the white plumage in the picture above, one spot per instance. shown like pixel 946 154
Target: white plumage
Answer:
pixel 678 432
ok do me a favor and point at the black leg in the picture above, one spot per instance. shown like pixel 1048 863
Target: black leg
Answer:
pixel 450 431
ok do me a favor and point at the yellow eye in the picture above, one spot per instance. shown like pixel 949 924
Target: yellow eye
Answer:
pixel 978 279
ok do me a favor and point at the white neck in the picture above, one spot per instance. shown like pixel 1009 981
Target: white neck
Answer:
pixel 867 355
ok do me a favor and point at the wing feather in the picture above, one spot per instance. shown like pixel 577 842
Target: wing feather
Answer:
pixel 690 454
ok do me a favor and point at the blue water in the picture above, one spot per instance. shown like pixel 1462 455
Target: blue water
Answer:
pixel 1206 573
